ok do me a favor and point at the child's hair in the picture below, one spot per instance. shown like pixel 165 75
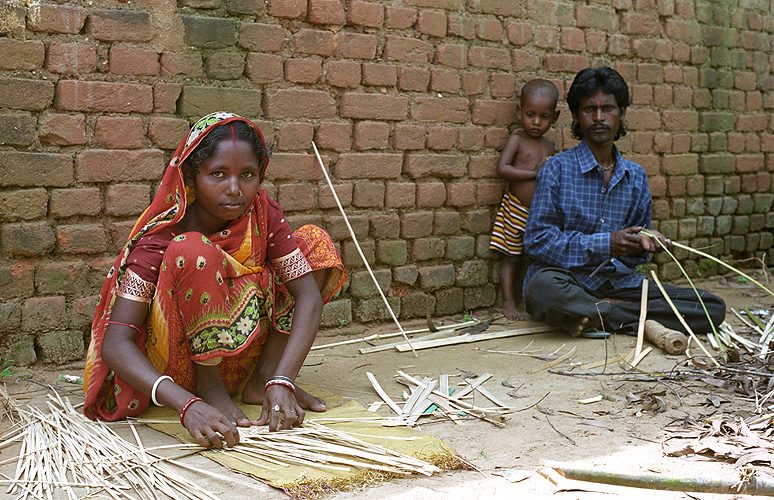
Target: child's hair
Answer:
pixel 236 130
pixel 539 87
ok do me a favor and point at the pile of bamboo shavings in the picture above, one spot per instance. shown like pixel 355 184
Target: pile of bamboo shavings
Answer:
pixel 64 451
pixel 428 392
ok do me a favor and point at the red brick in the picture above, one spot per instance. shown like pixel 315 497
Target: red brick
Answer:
pixel 133 61
pixel 489 193
pixel 23 169
pixel 570 63
pixel 400 195
pixel 182 63
pixel 418 166
pixel 122 200
pixel 63 130
pixel 295 136
pixel 334 136
pixel 460 194
pixel 524 60
pixel 343 74
pixel 380 75
pixel 431 194
pixel 437 4
pixel 644 49
pixel 490 29
pixel 413 137
pixel 596 17
pixel 676 186
pixel 635 23
pixel 416 224
pixel 411 79
pixel 368 194
pixel 166 133
pixel 441 138
pixel 662 142
pixel 369 166
pixel 74 95
pixel 82 238
pixel 519 33
pixel 100 165
pixel 754 101
pixel 21 55
pixel 27 239
pixel 618 45
pixel 371 135
pixel 461 26
pixel 470 138
pixel 320 42
pixel 749 162
pixel 256 37
pixel 326 12
pixel 69 58
pixel 17 129
pixel 681 120
pixel 502 8
pixel 120 25
pixel 113 132
pixel 596 42
pixel 368 14
pixel 650 73
pixel 663 50
pixel 399 17
pixel 687 164
pixel 356 46
pixel 493 113
pixel 24 204
pixel 264 68
pixel 548 38
pixel 165 97
pixel 442 80
pixel 474 82
pixel 294 197
pixel 573 39
pixel 405 49
pixel 502 84
pixel 70 202
pixel 496 137
pixel 482 167
pixel 223 65
pixel 288 103
pixel 643 119
pixel 303 70
pixel 681 52
pixel 289 9
pixel 432 23
pixel 448 109
pixel 489 57
pixel 67 19
pixel 343 192
pixel 294 167
pixel 373 107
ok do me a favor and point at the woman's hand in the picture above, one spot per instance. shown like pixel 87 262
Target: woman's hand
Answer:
pixel 209 427
pixel 279 399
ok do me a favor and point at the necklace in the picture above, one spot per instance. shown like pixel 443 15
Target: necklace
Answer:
pixel 605 168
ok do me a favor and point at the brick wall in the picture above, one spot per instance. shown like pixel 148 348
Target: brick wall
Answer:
pixel 409 102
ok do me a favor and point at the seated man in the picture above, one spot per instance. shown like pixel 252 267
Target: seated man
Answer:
pixel 585 222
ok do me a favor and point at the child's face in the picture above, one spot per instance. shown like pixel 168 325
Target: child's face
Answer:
pixel 225 185
pixel 538 113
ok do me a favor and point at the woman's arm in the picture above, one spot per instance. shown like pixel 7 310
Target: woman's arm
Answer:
pixel 121 354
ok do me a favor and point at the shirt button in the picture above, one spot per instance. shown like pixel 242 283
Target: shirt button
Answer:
pixel 603 190
pixel 601 219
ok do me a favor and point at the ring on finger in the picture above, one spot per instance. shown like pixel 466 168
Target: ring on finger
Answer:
pixel 275 408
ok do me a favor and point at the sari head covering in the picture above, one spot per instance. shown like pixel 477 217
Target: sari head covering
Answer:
pixel 243 245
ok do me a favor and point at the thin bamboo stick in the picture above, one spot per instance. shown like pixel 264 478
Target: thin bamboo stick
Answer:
pixel 643 315
pixel 360 251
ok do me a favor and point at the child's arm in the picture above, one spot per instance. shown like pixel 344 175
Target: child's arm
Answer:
pixel 505 167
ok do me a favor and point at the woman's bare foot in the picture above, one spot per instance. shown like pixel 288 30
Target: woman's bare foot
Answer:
pixel 253 394
pixel 511 312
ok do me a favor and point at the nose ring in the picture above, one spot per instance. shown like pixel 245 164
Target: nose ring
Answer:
pixel 240 192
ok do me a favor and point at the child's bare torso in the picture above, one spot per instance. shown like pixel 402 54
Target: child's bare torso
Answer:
pixel 531 155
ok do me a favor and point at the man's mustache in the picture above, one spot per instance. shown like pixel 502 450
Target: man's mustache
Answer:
pixel 599 127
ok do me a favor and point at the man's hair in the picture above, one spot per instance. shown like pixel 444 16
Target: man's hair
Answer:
pixel 590 81
pixel 539 87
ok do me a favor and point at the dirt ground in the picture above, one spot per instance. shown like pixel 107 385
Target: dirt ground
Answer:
pixel 551 426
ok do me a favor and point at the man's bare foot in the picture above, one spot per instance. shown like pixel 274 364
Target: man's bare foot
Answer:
pixel 576 327
pixel 511 312
pixel 223 402
pixel 253 394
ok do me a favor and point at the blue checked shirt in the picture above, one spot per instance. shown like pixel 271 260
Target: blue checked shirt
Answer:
pixel 573 214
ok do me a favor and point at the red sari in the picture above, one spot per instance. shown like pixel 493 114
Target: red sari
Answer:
pixel 216 296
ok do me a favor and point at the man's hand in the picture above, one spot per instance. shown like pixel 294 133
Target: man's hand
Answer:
pixel 626 242
pixel 656 243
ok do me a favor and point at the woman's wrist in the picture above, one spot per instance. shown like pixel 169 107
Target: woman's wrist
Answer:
pixel 281 380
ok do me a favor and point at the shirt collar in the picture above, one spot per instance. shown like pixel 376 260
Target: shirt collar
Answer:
pixel 588 162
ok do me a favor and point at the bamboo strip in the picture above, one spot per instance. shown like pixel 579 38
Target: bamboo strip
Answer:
pixel 382 394
pixel 360 251
pixel 555 362
pixel 641 356
pixel 603 362
pixel 643 315
pixel 377 336
pixel 465 339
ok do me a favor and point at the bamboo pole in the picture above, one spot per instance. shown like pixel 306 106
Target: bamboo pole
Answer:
pixel 360 251
pixel 752 485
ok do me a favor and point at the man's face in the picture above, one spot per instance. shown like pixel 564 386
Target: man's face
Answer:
pixel 599 117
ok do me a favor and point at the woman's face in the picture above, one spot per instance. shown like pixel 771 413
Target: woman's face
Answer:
pixel 225 185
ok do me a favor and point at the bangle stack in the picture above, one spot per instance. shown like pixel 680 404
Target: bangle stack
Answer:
pixel 156 386
pixel 280 380
pixel 186 406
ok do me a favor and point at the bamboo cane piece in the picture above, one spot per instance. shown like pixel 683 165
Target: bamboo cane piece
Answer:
pixel 643 315
pixel 465 339
pixel 360 251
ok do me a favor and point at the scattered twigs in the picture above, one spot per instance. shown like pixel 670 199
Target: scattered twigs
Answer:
pixel 359 250
pixel 747 484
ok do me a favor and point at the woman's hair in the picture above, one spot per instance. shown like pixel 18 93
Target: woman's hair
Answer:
pixel 235 130
pixel 590 81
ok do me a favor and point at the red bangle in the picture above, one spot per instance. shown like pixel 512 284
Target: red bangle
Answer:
pixel 188 405
pixel 124 324
pixel 289 385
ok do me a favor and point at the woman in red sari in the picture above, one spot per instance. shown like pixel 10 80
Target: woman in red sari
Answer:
pixel 211 295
